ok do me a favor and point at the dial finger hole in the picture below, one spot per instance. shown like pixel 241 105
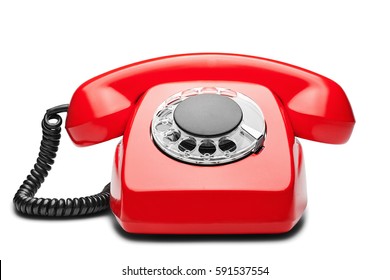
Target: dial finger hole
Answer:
pixel 173 100
pixel 171 136
pixel 164 125
pixel 189 92
pixel 228 93
pixel 187 144
pixel 207 148
pixel 227 145
pixel 164 113
pixel 209 90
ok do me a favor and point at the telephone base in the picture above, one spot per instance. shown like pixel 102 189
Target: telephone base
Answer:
pixel 264 192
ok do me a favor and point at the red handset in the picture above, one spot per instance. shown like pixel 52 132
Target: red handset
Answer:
pixel 208 140
pixel 316 106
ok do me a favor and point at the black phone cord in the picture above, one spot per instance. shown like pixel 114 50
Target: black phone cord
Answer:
pixel 25 201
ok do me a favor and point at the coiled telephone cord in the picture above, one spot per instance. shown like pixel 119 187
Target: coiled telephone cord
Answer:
pixel 25 201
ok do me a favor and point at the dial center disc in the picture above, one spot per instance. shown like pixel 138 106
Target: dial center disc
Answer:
pixel 208 115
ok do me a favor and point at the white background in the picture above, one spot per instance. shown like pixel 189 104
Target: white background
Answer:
pixel 48 49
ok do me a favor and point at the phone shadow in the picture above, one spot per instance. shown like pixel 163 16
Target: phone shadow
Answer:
pixel 208 237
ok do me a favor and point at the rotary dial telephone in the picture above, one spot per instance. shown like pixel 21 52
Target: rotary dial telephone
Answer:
pixel 209 143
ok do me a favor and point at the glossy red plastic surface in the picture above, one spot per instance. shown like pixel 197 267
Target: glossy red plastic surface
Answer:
pixel 262 193
pixel 316 106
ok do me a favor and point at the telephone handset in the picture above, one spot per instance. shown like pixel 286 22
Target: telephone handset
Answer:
pixel 208 143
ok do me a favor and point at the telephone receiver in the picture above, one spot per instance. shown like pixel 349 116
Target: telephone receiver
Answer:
pixel 209 143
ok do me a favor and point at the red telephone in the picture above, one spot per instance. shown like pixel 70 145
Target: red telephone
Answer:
pixel 208 143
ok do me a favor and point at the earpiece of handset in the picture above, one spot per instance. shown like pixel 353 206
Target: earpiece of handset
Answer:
pixel 316 106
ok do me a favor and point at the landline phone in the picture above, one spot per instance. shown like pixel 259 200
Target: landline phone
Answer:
pixel 209 143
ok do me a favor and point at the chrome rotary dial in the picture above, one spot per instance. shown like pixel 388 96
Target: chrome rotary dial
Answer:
pixel 208 126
